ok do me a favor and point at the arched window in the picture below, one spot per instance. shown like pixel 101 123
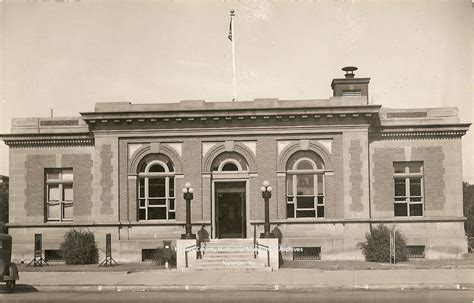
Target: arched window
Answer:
pixel 305 185
pixel 230 162
pixel 156 188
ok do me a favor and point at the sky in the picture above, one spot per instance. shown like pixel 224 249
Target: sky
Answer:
pixel 69 55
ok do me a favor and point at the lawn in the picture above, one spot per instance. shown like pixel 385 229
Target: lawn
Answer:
pixel 466 262
pixel 58 266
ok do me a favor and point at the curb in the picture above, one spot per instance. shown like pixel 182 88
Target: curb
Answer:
pixel 243 287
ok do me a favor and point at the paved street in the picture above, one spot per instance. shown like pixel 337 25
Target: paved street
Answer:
pixel 408 296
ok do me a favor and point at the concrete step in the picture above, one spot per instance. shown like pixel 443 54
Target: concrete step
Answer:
pixel 227 244
pixel 228 255
pixel 227 250
pixel 228 263
pixel 208 256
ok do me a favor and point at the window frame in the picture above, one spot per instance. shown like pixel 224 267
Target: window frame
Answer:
pixel 408 198
pixel 60 183
pixel 319 200
pixel 167 175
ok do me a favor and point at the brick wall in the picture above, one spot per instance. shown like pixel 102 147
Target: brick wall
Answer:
pixel 27 180
pixel 355 174
pixel 106 180
pixel 442 177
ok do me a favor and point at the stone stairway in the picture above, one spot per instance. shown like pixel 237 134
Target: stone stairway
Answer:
pixel 229 254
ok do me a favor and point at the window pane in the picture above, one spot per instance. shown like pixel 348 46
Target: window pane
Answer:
pixel 156 213
pixel 142 202
pixel 415 199
pixel 415 187
pixel 156 168
pixel 289 185
pixel 289 199
pixel 320 211
pixel 305 184
pixel 53 211
pixel 290 210
pixel 53 192
pixel 400 189
pixel 414 167
pixel 67 192
pixel 416 209
pixel 52 174
pixel 320 200
pixel 67 211
pixel 171 185
pixel 141 214
pixel 171 204
pixel 305 213
pixel 141 190
pixel 67 174
pixel 320 184
pixel 401 209
pixel 399 167
pixel 156 201
pixel 304 164
pixel 230 167
pixel 305 202
pixel 156 187
pixel 171 215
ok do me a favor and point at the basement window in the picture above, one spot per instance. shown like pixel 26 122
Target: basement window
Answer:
pixel 149 255
pixel 53 255
pixel 416 251
pixel 307 253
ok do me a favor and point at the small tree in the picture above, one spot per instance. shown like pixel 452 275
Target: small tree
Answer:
pixel 377 247
pixel 79 247
pixel 468 205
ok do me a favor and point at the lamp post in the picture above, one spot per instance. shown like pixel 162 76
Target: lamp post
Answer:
pixel 188 196
pixel 266 195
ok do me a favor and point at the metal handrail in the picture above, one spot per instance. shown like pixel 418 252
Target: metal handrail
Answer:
pixel 254 242
pixel 188 249
pixel 264 247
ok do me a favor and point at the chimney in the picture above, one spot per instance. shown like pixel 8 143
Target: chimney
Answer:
pixel 350 86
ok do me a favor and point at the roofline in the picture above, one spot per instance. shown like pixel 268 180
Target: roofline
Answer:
pixel 251 111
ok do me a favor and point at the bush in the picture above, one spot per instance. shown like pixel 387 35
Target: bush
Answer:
pixel 377 247
pixel 162 255
pixel 79 247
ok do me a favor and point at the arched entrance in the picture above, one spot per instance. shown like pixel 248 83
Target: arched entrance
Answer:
pixel 230 199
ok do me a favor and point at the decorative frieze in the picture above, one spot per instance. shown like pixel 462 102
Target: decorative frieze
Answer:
pixel 46 142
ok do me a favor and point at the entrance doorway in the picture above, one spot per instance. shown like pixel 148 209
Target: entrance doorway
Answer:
pixel 230 210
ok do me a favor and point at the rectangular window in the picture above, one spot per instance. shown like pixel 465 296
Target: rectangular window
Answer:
pixel 408 189
pixel 59 194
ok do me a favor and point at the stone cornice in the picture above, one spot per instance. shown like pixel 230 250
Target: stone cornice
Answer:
pixel 438 131
pixel 35 140
pixel 230 114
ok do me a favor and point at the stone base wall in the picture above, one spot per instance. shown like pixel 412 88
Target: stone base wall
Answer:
pixel 338 241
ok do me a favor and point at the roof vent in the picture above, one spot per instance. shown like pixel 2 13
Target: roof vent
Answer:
pixel 349 71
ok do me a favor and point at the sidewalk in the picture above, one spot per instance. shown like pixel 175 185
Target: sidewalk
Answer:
pixel 222 280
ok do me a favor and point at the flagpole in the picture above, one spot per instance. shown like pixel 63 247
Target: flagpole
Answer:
pixel 232 14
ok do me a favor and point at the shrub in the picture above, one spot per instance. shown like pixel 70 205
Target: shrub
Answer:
pixel 79 247
pixel 162 255
pixel 377 247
